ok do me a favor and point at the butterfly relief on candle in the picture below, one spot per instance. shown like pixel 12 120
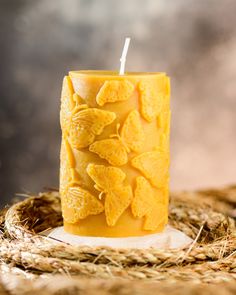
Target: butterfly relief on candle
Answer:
pixel 114 169
pixel 116 148
pixel 115 151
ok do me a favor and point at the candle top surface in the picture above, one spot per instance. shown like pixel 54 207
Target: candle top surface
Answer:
pixel 114 73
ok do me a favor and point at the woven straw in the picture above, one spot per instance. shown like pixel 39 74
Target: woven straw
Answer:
pixel 32 263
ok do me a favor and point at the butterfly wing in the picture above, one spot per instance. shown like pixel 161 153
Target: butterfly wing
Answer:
pixel 80 135
pixel 163 122
pixel 88 123
pixel 113 91
pixel 132 131
pixel 67 103
pixel 157 217
pixel 117 201
pixel 146 203
pixel 118 197
pixel 154 166
pixel 67 162
pixel 111 150
pixel 166 101
pixel 143 196
pixel 78 203
pixel 151 100
pixel 106 178
pixel 64 168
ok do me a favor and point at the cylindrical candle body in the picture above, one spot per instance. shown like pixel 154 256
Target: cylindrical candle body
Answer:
pixel 114 169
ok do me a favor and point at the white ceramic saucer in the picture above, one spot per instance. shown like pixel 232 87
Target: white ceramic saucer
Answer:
pixel 170 238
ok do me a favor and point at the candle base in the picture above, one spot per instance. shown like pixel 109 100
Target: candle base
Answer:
pixel 96 226
pixel 170 238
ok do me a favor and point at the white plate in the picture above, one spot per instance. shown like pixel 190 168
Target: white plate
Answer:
pixel 170 238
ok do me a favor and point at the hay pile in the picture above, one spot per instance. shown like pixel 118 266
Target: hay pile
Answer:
pixel 31 263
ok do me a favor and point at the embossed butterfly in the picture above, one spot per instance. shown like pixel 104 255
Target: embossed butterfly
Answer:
pixel 79 203
pixel 114 91
pixel 154 165
pixel 115 149
pixel 151 100
pixel 78 121
pixel 146 203
pixel 67 103
pixel 86 123
pixel 109 181
pixel 66 164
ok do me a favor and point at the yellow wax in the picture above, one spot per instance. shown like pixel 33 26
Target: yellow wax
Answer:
pixel 114 169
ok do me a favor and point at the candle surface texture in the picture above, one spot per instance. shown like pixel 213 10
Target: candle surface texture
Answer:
pixel 114 161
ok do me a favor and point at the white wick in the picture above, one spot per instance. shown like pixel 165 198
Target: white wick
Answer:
pixel 123 56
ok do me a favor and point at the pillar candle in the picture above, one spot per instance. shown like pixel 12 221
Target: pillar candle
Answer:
pixel 114 161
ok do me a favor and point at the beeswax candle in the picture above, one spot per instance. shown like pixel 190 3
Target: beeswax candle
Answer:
pixel 114 162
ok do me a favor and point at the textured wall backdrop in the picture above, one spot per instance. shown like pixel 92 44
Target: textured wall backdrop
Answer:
pixel 193 41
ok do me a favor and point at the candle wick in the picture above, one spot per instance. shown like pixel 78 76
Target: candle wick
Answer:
pixel 123 56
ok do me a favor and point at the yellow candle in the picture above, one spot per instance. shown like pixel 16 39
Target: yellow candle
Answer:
pixel 114 169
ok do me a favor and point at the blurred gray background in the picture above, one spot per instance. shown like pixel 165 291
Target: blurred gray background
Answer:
pixel 193 41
